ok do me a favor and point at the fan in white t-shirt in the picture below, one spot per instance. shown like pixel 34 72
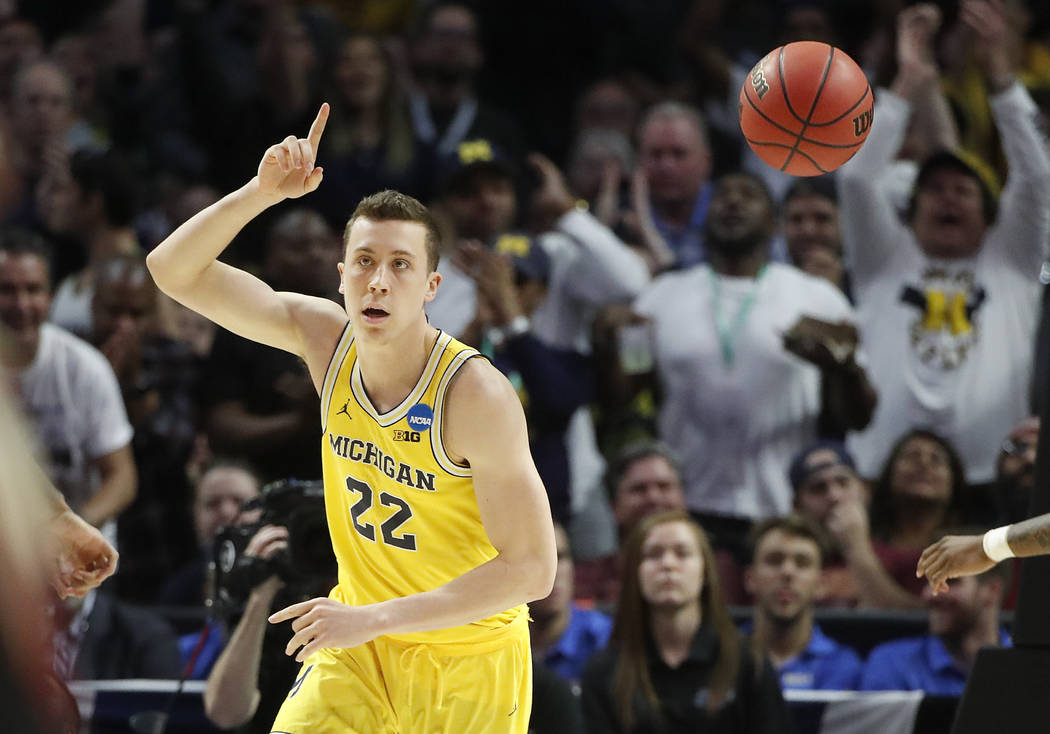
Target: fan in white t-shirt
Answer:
pixel 748 354
pixel 66 388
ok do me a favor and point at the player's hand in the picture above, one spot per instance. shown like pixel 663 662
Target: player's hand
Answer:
pixel 323 623
pixel 951 557
pixel 83 558
pixel 287 169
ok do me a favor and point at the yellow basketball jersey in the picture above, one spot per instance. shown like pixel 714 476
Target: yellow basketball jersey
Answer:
pixel 402 515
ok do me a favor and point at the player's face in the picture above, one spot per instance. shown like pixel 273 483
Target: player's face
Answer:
pixel 785 576
pixel 811 222
pixel 220 495
pixel 949 216
pixel 648 485
pixel 922 470
pixel 25 298
pixel 675 159
pixel 385 279
pixel 671 573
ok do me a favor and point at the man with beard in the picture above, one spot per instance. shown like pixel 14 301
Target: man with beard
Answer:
pixel 785 578
pixel 446 56
pixel 748 354
pixel 963 619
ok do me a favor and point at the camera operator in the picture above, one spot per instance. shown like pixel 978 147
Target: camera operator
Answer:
pixel 279 557
pixel 239 682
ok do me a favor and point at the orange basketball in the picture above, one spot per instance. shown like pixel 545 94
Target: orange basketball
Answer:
pixel 806 108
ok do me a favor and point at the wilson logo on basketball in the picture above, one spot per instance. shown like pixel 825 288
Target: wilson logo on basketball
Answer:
pixel 758 81
pixel 861 123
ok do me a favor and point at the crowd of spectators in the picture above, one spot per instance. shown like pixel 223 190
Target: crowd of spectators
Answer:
pixel 744 391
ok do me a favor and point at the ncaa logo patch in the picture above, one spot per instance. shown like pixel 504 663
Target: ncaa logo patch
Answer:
pixel 420 417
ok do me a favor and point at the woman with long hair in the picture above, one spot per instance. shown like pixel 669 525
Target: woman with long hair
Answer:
pixel 918 495
pixel 919 492
pixel 369 145
pixel 676 662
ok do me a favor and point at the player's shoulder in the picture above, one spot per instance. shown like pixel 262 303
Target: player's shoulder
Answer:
pixel 479 385
pixel 320 323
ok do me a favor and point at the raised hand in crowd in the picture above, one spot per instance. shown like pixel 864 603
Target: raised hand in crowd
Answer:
pixel 658 255
pixel 995 42
pixel 552 198
pixel 606 205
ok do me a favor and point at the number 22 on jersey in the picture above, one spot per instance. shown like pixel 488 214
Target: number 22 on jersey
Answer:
pixel 388 528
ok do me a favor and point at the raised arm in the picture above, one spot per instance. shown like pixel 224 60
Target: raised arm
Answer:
pixel 185 265
pixel 485 426
pixel 872 230
pixel 1024 209
pixel 602 269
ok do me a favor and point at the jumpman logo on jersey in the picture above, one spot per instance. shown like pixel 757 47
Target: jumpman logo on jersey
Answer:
pixel 344 411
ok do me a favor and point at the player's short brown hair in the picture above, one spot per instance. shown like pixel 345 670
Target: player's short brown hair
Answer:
pixel 393 206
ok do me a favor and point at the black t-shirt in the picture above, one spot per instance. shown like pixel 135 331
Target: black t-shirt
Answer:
pixel 246 372
pixel 755 706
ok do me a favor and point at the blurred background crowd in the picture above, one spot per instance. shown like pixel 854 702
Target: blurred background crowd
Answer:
pixel 819 376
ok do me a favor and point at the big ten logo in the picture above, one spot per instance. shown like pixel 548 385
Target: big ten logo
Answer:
pixel 862 122
pixel 420 417
pixel 410 436
pixel 758 81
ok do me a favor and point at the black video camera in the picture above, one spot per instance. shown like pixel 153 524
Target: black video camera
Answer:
pixel 307 563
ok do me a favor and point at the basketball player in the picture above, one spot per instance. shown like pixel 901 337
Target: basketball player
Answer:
pixel 437 515
pixel 968 555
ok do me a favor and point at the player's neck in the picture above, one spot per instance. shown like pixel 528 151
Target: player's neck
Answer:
pixel 390 371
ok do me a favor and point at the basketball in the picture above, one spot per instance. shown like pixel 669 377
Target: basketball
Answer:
pixel 806 108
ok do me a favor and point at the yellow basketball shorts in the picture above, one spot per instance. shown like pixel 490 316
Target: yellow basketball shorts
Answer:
pixel 391 687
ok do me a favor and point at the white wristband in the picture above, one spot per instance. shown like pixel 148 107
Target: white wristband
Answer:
pixel 995 545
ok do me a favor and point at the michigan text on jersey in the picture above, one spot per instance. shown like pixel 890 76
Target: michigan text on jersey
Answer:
pixel 366 452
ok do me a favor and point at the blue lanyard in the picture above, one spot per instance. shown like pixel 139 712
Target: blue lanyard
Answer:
pixel 728 332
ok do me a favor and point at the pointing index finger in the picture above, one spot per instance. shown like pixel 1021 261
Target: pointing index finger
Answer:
pixel 291 612
pixel 317 127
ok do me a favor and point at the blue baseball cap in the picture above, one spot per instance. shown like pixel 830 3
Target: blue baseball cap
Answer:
pixel 805 465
